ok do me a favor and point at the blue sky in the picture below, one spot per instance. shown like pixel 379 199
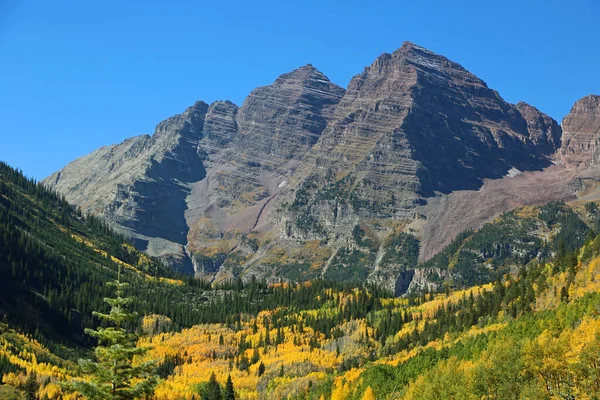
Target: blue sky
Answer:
pixel 77 75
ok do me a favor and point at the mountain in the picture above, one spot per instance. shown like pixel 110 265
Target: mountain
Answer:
pixel 307 179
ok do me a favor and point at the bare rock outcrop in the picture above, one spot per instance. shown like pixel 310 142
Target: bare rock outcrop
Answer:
pixel 581 133
pixel 544 131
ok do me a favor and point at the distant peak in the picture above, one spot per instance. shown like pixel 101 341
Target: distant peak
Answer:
pixel 303 73
pixel 308 68
pixel 408 45
pixel 419 55
pixel 199 105
pixel 587 104
pixel 521 105
pixel 592 99
pixel 223 103
pixel 414 54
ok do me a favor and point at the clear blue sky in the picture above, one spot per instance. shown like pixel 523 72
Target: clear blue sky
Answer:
pixel 77 75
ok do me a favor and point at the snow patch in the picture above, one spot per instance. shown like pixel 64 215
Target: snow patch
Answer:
pixel 514 172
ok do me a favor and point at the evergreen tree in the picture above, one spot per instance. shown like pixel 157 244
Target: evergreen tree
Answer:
pixel 113 372
pixel 564 294
pixel 255 357
pixel 261 369
pixel 31 387
pixel 229 392
pixel 213 390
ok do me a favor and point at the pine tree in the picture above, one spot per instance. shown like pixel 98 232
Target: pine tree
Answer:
pixel 564 294
pixel 261 369
pixel 31 387
pixel 213 390
pixel 229 392
pixel 113 374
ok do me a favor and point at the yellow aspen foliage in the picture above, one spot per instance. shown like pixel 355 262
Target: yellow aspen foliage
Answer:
pixel 545 356
pixel 13 379
pixel 368 394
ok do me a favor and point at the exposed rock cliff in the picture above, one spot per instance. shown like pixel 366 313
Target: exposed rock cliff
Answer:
pixel 306 179
pixel 581 133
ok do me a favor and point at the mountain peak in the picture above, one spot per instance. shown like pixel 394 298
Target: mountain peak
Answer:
pixel 302 74
pixel 581 132
pixel 544 131
pixel 408 45
pixel 591 101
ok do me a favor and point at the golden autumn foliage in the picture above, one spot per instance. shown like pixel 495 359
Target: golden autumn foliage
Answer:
pixel 25 352
pixel 368 394
pixel 291 359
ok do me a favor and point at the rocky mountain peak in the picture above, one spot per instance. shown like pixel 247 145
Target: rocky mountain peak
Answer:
pixel 581 133
pixel 284 119
pixel 544 131
pixel 309 172
pixel 301 74
pixel 589 102
pixel 188 122
pixel 426 60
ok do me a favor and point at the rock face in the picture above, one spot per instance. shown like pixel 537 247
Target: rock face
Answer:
pixel 307 179
pixel 415 123
pixel 140 185
pixel 581 135
pixel 543 130
pixel 204 173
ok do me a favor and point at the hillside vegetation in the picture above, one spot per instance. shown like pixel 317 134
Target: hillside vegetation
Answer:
pixel 524 323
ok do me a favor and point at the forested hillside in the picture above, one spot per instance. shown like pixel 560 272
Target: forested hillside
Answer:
pixel 524 324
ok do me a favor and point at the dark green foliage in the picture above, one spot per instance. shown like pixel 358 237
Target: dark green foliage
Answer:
pixel 39 259
pixel 54 281
pixel 362 239
pixel 572 231
pixel 166 368
pixel 261 369
pixel 564 294
pixel 510 241
pixel 516 296
pixel 113 374
pixel 591 208
pixel 298 272
pixel 6 366
pixel 229 393
pixel 302 197
pixel 307 223
pixel 401 249
pixel 255 357
pixel 350 265
pixel 442 259
pixel 31 387
pixel 213 389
